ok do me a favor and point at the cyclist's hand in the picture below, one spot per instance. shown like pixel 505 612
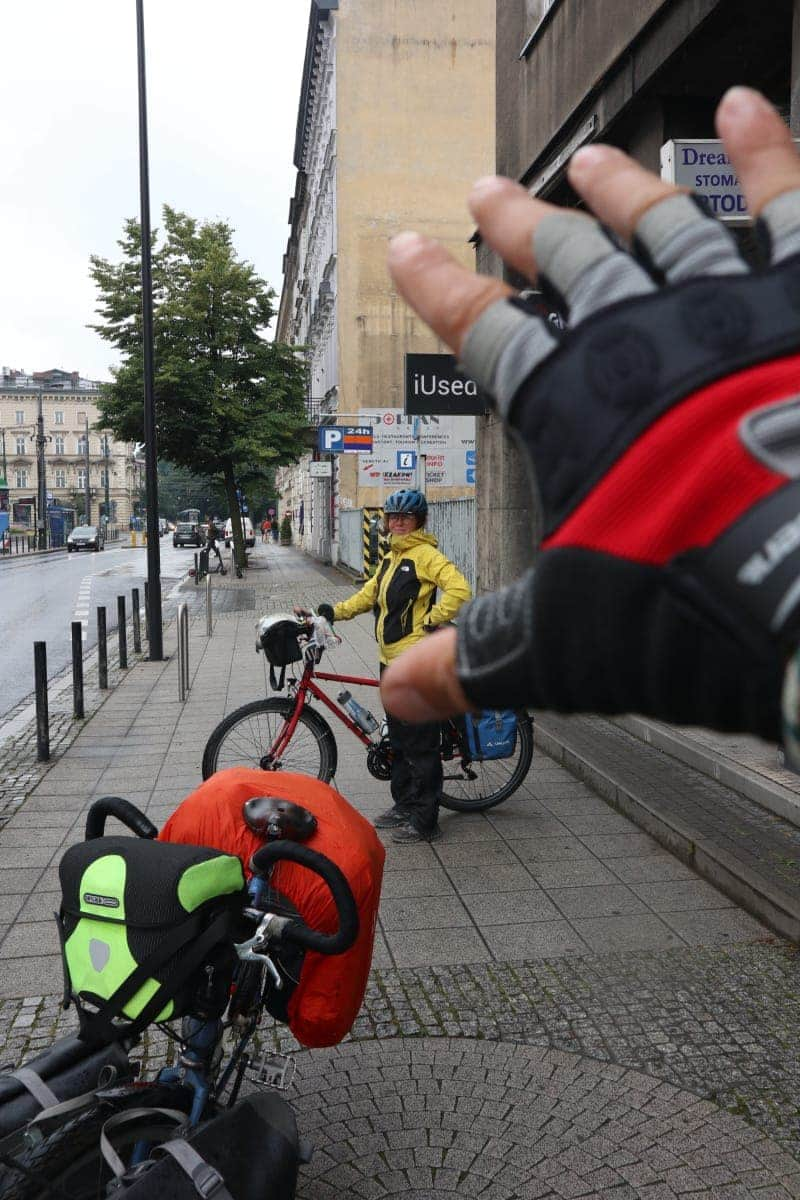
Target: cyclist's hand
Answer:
pixel 302 614
pixel 326 611
pixel 670 488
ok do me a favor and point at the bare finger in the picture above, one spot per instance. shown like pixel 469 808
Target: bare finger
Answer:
pixel 447 296
pixel 422 685
pixel 569 249
pixel 759 146
pixel 616 188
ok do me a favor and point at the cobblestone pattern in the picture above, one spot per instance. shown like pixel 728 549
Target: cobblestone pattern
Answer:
pixel 461 1118
pixel 729 820
pixel 722 1024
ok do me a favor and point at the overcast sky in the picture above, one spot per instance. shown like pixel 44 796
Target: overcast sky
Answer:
pixel 223 81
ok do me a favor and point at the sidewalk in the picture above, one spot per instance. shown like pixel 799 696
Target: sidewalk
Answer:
pixel 558 1005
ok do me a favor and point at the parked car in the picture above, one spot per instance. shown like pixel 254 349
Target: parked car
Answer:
pixel 247 530
pixel 187 533
pixel 85 537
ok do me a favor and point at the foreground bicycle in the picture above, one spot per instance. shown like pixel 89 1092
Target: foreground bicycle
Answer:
pixel 77 1117
pixel 286 733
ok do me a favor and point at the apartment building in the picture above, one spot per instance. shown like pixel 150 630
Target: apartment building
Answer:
pixel 395 120
pixel 69 409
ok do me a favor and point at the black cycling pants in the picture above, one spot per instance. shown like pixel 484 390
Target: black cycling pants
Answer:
pixel 416 771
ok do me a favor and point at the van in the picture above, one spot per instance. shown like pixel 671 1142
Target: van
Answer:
pixel 247 530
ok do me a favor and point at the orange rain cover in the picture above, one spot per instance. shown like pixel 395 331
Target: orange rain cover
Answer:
pixel 328 997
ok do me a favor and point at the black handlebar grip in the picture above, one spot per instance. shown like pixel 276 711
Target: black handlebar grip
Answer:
pixel 297 932
pixel 124 811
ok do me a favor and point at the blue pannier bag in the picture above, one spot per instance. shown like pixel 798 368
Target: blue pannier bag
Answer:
pixel 491 733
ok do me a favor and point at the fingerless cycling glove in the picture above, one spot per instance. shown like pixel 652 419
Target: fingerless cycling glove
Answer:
pixel 663 428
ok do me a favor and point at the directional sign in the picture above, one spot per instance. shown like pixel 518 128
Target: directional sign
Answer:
pixel 472 457
pixel 341 439
pixel 406 460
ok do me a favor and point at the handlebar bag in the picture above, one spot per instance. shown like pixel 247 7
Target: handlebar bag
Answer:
pixel 491 733
pixel 146 932
pixel 328 995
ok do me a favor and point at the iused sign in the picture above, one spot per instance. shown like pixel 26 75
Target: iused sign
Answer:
pixel 435 388
pixel 702 165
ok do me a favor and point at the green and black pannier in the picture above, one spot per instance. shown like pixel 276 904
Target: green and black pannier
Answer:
pixel 147 931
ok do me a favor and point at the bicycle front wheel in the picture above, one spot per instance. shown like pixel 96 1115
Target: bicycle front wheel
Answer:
pixel 247 736
pixel 484 784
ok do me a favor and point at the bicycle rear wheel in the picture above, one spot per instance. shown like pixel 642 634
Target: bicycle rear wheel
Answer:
pixel 246 737
pixel 495 779
pixel 67 1162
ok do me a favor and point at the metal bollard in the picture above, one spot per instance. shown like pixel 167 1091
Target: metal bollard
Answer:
pixel 208 606
pixel 136 618
pixel 183 651
pixel 102 649
pixel 122 631
pixel 77 670
pixel 196 568
pixel 42 715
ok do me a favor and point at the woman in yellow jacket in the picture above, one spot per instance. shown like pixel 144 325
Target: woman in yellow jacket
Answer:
pixel 403 595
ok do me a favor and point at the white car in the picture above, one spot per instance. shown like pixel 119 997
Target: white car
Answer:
pixel 247 530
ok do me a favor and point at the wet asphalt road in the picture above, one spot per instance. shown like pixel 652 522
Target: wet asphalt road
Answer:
pixel 41 596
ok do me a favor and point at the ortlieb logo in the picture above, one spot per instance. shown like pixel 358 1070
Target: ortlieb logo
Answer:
pixel 100 901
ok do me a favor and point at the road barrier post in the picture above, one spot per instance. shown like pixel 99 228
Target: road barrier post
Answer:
pixel 137 622
pixel 42 715
pixel 102 649
pixel 183 651
pixel 77 670
pixel 122 631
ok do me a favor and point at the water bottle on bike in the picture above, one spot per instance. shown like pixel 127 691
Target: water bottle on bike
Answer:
pixel 362 716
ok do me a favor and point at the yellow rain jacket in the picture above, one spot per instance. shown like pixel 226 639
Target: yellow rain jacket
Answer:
pixel 402 593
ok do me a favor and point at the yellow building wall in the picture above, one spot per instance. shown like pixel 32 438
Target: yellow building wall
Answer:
pixel 415 126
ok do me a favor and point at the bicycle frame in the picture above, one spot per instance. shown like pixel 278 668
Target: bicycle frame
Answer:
pixel 306 686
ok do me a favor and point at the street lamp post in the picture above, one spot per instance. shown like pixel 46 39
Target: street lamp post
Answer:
pixel 5 465
pixel 154 627
pixel 87 494
pixel 105 456
pixel 41 441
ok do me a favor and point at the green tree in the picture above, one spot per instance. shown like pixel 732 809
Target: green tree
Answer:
pixel 230 405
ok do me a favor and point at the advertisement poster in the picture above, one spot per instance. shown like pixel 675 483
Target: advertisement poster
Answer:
pixel 398 439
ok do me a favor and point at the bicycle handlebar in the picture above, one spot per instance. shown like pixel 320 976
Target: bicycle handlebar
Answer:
pixel 296 931
pixel 124 811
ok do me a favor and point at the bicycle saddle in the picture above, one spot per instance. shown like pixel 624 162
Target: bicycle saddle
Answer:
pixel 272 818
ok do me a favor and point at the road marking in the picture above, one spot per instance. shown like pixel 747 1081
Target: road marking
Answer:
pixel 82 606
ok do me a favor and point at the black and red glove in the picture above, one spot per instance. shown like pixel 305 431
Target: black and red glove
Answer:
pixel 663 426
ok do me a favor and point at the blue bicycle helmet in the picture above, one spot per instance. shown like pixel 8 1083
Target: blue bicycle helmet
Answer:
pixel 408 500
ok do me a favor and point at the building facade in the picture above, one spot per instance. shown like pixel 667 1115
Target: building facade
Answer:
pixel 647 78
pixel 396 119
pixel 69 409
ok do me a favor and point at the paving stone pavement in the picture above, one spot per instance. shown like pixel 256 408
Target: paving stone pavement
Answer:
pixel 550 923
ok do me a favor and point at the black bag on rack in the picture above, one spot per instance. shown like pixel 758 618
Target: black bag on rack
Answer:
pixel 147 931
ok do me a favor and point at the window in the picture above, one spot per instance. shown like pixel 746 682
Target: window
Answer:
pixel 21 445
pixel 81 478
pixel 59 416
pixel 20 416
pixel 536 12
pixel 22 479
pixel 61 477
pixel 82 442
pixel 81 418
pixel 59 443
pixel 105 444
pixel 103 477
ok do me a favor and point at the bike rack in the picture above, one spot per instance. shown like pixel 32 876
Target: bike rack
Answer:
pixel 183 651
pixel 208 606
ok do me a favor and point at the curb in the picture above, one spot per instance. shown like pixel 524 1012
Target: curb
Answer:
pixel 768 793
pixel 757 891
